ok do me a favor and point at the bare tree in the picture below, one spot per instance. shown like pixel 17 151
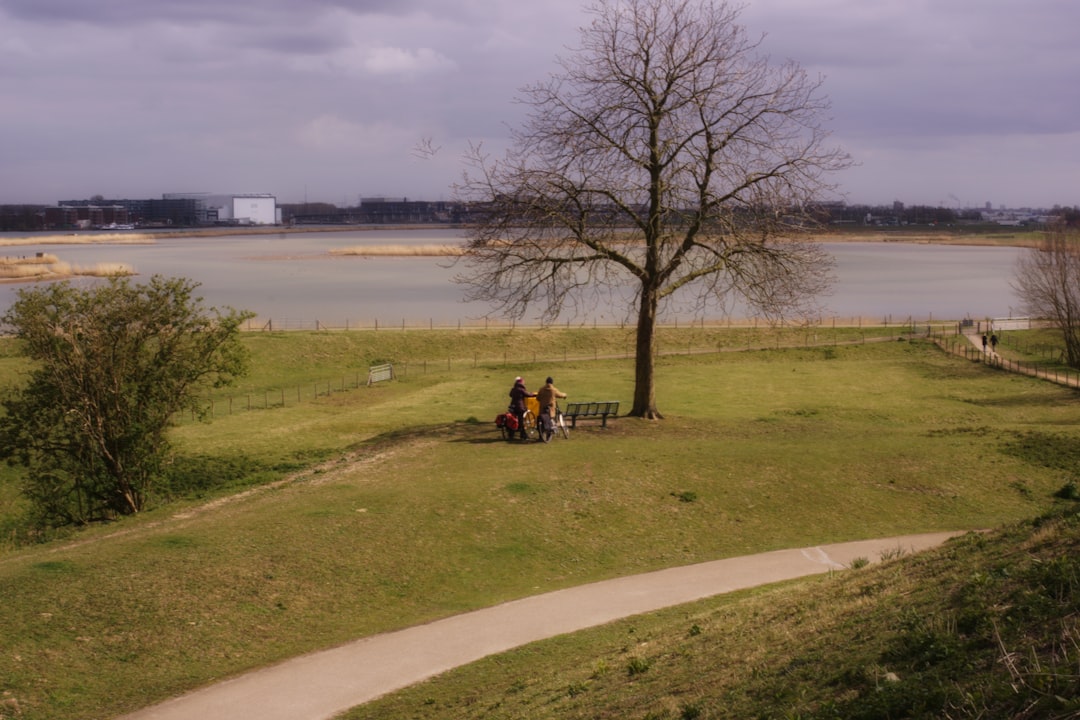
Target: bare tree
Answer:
pixel 1047 280
pixel 667 155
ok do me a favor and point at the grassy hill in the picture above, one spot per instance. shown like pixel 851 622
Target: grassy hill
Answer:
pixel 298 525
pixel 984 627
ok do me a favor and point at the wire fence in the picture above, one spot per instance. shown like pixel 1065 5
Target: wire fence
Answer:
pixel 221 405
pixel 952 336
pixel 292 324
pixel 1049 369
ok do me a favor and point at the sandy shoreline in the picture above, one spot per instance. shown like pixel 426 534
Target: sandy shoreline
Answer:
pixel 75 239
pixel 922 236
pixel 63 271
pixel 149 238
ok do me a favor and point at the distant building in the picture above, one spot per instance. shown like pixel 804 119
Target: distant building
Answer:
pixel 172 210
pixel 84 216
pixel 147 213
pixel 241 209
pixel 395 211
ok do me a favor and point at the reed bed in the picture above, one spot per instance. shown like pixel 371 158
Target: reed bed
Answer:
pixel 41 259
pixel 50 267
pixel 401 250
pixel 104 270
pixel 79 239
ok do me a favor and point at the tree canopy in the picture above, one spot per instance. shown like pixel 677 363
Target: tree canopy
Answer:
pixel 668 155
pixel 114 364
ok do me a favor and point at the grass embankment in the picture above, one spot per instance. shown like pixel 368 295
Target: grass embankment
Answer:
pixel 984 627
pixel 394 508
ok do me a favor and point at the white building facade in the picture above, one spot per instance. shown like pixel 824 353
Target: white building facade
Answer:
pixel 240 209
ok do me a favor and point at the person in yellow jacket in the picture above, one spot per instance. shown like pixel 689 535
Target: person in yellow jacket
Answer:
pixel 546 397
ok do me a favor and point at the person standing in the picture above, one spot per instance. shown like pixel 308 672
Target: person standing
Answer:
pixel 984 342
pixel 993 342
pixel 546 397
pixel 518 393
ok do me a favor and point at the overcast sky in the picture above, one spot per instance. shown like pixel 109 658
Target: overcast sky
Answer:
pixel 940 102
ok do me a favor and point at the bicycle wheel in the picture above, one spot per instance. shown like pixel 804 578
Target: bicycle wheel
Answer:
pixel 547 430
pixel 530 425
pixel 560 423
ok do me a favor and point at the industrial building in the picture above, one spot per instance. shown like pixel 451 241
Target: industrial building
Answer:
pixel 172 210
pixel 243 209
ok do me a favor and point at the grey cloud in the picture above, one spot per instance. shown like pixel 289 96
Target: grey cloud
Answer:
pixel 292 41
pixel 153 96
pixel 954 67
pixel 133 12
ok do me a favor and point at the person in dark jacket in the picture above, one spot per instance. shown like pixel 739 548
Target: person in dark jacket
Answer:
pixel 518 393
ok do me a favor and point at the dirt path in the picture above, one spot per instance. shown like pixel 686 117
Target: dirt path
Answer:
pixel 990 357
pixel 323 684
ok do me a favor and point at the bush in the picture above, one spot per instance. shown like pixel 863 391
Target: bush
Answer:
pixel 1068 491
pixel 114 364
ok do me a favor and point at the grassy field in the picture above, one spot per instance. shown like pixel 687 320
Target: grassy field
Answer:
pixel 377 508
pixel 984 627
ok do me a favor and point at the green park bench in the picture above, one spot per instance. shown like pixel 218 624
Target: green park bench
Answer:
pixel 591 410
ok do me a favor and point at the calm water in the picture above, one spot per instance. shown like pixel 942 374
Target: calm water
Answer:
pixel 291 280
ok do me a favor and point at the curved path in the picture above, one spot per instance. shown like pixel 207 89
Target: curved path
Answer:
pixel 325 683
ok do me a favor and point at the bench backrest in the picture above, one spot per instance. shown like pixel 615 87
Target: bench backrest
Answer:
pixel 608 407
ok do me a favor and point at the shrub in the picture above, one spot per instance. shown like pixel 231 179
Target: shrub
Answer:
pixel 637 666
pixel 1068 491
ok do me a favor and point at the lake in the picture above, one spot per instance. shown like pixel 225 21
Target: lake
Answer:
pixel 291 280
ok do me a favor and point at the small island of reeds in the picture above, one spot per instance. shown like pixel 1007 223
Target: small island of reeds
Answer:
pixel 45 266
pixel 402 250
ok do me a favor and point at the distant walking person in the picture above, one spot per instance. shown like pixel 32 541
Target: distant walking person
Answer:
pixel 984 342
pixel 993 342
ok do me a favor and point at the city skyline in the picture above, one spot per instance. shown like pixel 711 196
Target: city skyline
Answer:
pixel 950 104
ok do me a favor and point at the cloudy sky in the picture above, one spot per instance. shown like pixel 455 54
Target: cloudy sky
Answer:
pixel 941 102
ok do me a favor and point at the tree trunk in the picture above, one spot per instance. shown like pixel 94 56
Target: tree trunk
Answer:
pixel 644 358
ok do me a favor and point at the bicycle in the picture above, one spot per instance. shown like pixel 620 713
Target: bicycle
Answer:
pixel 560 423
pixel 532 431
pixel 554 426
pixel 509 428
pixel 502 421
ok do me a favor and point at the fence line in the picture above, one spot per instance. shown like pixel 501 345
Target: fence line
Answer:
pixel 311 390
pixel 288 324
pixel 965 348
pixel 948 335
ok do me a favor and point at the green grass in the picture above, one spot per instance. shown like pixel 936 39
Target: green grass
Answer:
pixel 383 507
pixel 985 626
